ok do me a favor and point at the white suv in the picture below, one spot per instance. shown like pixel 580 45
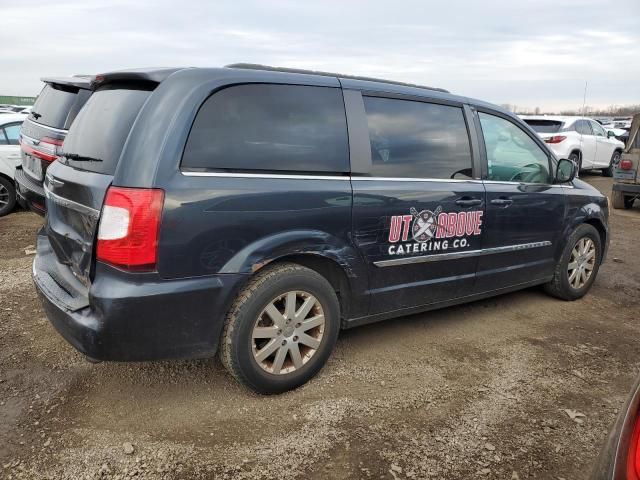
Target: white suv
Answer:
pixel 580 139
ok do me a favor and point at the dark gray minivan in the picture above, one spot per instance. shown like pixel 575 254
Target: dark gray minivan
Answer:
pixel 255 213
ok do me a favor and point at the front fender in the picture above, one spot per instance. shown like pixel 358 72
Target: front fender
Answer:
pixel 592 212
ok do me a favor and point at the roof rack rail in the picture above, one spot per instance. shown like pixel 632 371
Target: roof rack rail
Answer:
pixel 255 66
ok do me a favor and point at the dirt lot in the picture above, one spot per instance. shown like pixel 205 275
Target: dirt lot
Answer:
pixel 473 391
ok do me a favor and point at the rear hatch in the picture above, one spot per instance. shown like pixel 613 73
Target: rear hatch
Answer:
pixel 44 130
pixel 76 184
pixel 547 129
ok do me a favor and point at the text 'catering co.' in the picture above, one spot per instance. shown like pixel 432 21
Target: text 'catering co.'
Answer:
pixel 433 231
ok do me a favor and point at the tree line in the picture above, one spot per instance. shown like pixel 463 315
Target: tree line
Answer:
pixel 587 111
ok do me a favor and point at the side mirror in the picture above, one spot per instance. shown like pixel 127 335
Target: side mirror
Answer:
pixel 566 171
pixel 610 134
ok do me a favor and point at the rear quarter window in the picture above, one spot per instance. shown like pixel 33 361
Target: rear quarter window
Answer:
pixel 58 105
pixel 97 137
pixel 261 127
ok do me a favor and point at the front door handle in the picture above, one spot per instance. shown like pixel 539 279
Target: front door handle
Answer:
pixel 503 202
pixel 468 202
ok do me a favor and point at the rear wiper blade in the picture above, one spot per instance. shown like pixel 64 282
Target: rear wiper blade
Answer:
pixel 80 158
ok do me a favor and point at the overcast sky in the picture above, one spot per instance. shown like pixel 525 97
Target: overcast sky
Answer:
pixel 528 53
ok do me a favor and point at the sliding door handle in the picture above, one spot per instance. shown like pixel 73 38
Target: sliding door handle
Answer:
pixel 502 202
pixel 468 202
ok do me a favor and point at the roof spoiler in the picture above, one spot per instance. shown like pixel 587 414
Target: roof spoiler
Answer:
pixel 144 75
pixel 79 81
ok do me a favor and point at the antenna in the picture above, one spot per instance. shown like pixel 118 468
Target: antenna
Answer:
pixel 584 100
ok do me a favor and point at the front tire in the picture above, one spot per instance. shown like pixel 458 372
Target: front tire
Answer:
pixel 578 161
pixel 7 196
pixel 281 329
pixel 578 266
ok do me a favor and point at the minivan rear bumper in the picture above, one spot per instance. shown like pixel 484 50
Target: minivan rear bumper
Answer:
pixel 135 317
pixel 30 193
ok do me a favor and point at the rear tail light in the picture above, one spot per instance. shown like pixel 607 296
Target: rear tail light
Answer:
pixel 633 455
pixel 555 139
pixel 48 149
pixel 626 164
pixel 129 227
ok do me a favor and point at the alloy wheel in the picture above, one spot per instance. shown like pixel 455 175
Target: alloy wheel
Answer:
pixel 288 332
pixel 4 196
pixel 581 263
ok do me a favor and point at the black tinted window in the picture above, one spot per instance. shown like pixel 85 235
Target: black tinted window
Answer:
pixel 544 126
pixel 270 127
pixel 57 105
pixel 417 140
pixel 583 127
pixel 96 138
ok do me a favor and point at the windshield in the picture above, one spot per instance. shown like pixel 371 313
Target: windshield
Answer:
pixel 96 138
pixel 545 126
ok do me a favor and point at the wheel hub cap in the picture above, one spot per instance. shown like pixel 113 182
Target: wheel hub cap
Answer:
pixel 288 332
pixel 581 262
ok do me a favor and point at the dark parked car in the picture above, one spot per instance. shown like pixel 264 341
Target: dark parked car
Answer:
pixel 43 132
pixel 257 212
pixel 620 457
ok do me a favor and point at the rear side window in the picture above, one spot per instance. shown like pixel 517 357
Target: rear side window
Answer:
pixel 58 105
pixel 270 128
pixel 417 140
pixel 545 126
pixel 96 138
pixel 583 127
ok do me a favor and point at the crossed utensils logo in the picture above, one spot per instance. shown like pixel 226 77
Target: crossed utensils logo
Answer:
pixel 425 224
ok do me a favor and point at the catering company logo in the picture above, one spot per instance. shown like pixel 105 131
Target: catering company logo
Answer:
pixel 433 230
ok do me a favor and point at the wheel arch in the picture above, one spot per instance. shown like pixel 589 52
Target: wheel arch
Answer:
pixel 4 175
pixel 329 269
pixel 326 254
pixel 602 231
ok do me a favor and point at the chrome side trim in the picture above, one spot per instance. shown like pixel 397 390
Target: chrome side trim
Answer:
pixel 456 255
pixel 65 202
pixel 265 175
pixel 59 130
pixel 401 179
pixel 528 184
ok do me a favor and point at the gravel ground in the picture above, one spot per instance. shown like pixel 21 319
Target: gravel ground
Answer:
pixel 475 391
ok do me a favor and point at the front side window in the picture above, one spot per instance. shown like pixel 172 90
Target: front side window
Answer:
pixel 598 131
pixel 417 140
pixel 267 127
pixel 512 155
pixel 3 138
pixel 13 133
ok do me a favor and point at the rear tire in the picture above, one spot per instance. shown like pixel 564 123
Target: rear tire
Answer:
pixel 7 196
pixel 269 346
pixel 615 158
pixel 569 283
